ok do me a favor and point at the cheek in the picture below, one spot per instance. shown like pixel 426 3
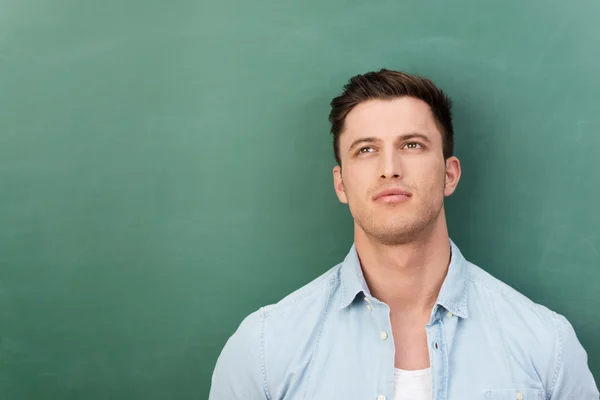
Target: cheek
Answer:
pixel 432 178
pixel 357 183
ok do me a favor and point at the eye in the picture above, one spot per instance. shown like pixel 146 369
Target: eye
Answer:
pixel 413 145
pixel 361 150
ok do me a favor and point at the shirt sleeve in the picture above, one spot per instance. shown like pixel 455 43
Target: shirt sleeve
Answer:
pixel 238 374
pixel 572 378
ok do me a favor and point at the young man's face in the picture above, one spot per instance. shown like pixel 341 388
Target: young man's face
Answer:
pixel 394 144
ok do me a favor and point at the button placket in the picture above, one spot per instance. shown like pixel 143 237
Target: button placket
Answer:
pixel 519 396
pixel 369 307
pixel 438 361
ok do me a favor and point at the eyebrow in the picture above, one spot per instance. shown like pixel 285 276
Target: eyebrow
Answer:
pixel 401 138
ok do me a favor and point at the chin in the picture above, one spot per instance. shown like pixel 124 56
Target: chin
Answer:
pixel 395 238
pixel 393 233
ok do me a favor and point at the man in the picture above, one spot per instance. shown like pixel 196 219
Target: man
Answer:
pixel 404 316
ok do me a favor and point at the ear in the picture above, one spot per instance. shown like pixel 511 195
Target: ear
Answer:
pixel 338 184
pixel 452 175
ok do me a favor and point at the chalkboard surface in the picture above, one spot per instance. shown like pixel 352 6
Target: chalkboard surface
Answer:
pixel 165 169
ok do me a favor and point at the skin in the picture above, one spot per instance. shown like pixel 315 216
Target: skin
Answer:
pixel 403 246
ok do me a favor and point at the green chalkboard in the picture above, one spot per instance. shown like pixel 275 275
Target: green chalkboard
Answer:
pixel 165 169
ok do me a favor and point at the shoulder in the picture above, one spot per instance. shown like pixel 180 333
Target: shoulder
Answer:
pixel 259 339
pixel 531 332
pixel 296 307
pixel 506 299
pixel 314 295
pixel 298 315
pixel 519 317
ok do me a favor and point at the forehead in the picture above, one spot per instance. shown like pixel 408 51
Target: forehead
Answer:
pixel 390 118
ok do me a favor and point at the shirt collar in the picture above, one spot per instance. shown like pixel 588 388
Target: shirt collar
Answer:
pixel 452 296
pixel 352 279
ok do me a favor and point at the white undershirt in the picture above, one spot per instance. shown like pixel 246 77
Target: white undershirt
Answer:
pixel 412 385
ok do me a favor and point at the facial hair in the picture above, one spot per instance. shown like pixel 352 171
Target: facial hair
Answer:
pixel 397 225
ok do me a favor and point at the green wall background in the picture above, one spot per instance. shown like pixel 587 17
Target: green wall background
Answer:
pixel 165 169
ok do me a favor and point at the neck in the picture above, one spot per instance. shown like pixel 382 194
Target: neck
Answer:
pixel 407 277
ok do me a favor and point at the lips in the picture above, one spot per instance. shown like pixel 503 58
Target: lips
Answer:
pixel 392 195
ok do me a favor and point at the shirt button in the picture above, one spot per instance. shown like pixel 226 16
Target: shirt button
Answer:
pixel 381 397
pixel 369 308
pixel 449 315
pixel 384 336
pixel 519 396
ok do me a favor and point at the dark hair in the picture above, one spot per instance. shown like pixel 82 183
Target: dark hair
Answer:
pixel 386 84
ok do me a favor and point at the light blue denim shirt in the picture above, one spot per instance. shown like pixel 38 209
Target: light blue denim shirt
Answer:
pixel 325 342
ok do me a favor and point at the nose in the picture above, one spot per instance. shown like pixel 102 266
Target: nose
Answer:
pixel 391 167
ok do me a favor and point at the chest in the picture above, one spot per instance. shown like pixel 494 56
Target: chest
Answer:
pixel 411 351
pixel 352 359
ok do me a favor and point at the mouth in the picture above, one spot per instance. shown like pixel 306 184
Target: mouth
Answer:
pixel 392 196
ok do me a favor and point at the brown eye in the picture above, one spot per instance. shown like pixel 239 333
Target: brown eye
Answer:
pixel 413 145
pixel 360 151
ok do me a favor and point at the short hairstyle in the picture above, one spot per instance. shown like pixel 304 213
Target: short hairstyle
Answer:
pixel 386 84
